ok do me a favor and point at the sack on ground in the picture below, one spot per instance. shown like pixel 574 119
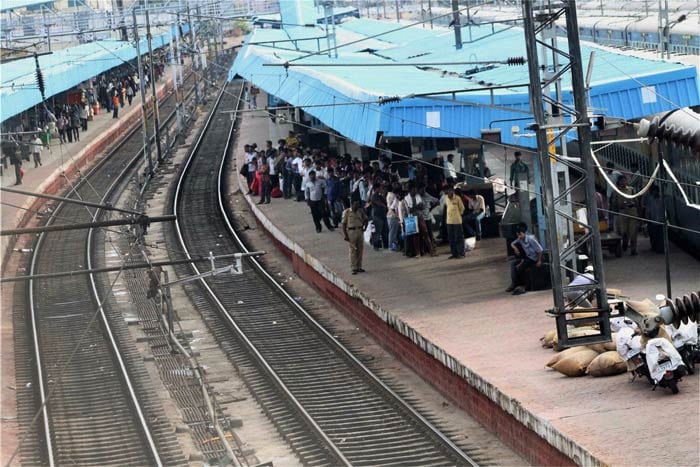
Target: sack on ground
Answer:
pixel 576 364
pixel 612 344
pixel 576 332
pixel 600 348
pixel 276 193
pixel 607 364
pixel 469 243
pixel 565 353
pixel 583 314
pixel 549 338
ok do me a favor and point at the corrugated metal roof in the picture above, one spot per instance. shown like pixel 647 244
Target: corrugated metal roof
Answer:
pixel 621 85
pixel 370 27
pixel 63 70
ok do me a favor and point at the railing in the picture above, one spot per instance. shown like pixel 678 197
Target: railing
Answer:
pixel 624 157
pixel 685 167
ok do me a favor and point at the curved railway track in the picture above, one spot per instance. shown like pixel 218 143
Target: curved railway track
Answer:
pixel 99 409
pixel 325 403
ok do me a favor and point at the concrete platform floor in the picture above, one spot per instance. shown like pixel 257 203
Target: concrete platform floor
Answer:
pixel 459 307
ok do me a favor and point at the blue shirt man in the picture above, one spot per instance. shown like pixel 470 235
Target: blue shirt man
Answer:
pixel 528 254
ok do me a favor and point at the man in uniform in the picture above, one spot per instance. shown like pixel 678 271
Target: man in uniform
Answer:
pixel 354 224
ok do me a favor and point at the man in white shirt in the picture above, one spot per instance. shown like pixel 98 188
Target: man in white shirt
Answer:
pixel 476 207
pixel 315 194
pixel 359 188
pixel 450 171
pixel 37 144
pixel 297 178
pixel 271 156
pixel 305 169
pixel 392 216
pixel 252 167
pixel 586 278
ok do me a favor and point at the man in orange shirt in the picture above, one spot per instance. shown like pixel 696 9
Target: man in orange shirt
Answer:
pixel 115 104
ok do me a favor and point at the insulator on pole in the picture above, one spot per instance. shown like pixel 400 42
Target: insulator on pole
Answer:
pixel 39 78
pixel 512 61
pixel 389 99
pixel 680 127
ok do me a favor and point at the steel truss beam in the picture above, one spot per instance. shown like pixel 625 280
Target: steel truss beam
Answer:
pixel 537 19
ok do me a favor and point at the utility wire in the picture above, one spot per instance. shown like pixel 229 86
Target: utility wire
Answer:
pixel 374 36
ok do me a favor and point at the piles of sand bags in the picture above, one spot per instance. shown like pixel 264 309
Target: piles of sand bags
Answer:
pixel 576 363
pixel 595 359
pixel 550 339
pixel 607 364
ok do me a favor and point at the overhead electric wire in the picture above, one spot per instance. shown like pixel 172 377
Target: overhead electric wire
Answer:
pixel 401 28
pixel 639 193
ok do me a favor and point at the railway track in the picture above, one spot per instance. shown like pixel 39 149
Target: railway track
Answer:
pixel 329 407
pixel 99 409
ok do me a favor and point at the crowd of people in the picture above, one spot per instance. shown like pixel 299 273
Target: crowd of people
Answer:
pixel 399 211
pixel 109 91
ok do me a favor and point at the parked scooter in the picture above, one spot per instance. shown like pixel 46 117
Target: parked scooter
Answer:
pixel 659 362
pixel 665 364
pixel 685 340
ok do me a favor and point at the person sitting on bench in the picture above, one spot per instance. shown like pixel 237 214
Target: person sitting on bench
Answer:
pixel 528 254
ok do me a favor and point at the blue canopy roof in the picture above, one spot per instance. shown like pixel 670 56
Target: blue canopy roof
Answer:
pixel 63 70
pixel 465 98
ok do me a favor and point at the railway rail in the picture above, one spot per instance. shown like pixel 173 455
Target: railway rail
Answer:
pixel 329 407
pixel 100 408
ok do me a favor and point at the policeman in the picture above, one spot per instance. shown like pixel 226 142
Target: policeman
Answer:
pixel 354 224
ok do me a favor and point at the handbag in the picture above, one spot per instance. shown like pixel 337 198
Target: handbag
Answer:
pixel 410 225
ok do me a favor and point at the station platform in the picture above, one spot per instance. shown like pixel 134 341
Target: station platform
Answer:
pixel 64 161
pixel 62 166
pixel 453 323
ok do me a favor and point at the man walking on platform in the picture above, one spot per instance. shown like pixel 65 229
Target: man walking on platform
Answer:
pixel 354 224
pixel 454 209
pixel 315 193
pixel 115 106
pixel 36 151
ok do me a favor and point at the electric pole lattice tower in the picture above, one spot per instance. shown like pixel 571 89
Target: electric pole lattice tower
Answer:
pixel 538 16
